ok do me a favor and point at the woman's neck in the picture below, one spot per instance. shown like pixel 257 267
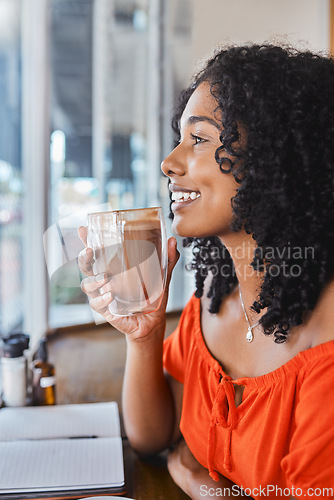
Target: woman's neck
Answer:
pixel 241 248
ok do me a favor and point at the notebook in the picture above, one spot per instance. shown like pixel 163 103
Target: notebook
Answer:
pixel 60 451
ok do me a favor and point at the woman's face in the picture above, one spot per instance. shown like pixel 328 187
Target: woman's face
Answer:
pixel 201 192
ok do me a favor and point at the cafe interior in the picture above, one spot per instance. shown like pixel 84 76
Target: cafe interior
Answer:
pixel 87 92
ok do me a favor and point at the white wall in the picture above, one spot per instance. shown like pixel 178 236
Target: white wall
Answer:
pixel 239 21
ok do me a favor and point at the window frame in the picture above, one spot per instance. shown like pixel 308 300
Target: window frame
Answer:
pixel 35 163
pixel 331 27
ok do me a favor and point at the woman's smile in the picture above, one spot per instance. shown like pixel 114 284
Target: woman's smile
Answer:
pixel 182 197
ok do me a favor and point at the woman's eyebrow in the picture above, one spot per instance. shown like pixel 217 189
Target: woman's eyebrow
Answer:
pixel 194 119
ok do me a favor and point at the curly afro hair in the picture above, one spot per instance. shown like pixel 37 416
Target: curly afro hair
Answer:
pixel 284 98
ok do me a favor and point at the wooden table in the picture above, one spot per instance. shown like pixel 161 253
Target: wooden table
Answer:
pixel 149 478
pixel 89 368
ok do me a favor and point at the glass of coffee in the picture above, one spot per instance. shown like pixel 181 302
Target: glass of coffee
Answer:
pixel 130 247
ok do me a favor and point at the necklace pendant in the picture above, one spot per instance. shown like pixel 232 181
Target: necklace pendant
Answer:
pixel 249 335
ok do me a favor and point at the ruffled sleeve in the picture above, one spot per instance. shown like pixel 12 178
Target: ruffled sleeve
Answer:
pixel 176 346
pixel 310 460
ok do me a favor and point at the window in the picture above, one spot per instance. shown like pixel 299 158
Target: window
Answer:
pixel 106 126
pixel 86 94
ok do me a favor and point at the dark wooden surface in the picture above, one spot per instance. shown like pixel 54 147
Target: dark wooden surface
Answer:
pixel 89 368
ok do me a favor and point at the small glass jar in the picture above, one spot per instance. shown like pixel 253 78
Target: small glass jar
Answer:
pixel 14 370
pixel 43 378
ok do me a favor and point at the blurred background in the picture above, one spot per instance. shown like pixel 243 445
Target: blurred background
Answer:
pixel 87 90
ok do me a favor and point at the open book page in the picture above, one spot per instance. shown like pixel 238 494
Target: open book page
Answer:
pixel 64 464
pixel 63 421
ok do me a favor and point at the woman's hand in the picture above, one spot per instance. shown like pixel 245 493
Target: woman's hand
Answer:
pixel 191 477
pixel 136 327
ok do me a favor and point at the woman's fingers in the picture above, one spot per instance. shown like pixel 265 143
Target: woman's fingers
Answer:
pixel 98 289
pixel 85 261
pixel 95 285
pixel 101 302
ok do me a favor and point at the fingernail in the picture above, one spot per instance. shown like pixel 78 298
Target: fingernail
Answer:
pixel 100 277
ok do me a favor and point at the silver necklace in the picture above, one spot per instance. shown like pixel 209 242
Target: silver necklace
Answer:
pixel 249 334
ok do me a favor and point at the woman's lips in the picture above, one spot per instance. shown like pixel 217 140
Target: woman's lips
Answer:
pixel 182 196
pixel 178 205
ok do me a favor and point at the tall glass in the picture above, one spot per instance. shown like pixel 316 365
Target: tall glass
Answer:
pixel 130 247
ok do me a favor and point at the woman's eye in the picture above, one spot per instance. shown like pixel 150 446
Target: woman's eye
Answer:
pixel 197 139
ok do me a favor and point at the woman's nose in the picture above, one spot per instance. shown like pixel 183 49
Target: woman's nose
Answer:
pixel 173 164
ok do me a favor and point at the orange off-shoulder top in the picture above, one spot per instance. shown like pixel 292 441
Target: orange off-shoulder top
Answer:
pixel 281 435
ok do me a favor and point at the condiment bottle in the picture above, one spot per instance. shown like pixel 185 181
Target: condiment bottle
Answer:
pixel 43 378
pixel 14 370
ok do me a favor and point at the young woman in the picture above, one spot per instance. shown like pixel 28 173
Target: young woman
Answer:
pixel 243 388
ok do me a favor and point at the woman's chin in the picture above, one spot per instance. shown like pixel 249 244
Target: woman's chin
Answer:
pixel 185 232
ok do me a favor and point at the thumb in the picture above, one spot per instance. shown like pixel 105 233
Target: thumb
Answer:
pixel 82 232
pixel 173 257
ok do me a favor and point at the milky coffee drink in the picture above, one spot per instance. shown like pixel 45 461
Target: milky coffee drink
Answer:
pixel 133 257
